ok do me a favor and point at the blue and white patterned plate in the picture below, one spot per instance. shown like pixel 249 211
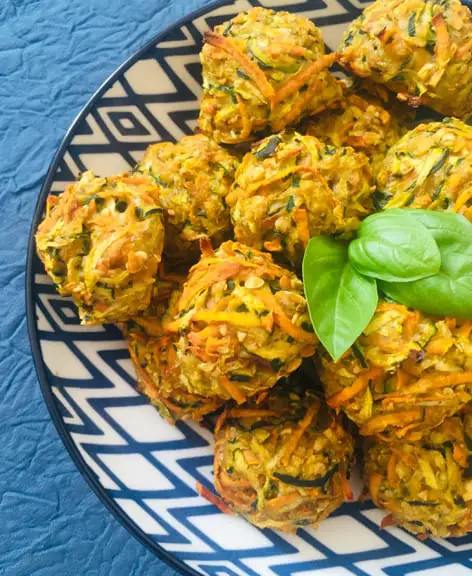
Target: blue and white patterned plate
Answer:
pixel 142 468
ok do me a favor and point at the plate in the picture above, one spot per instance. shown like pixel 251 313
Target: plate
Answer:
pixel 142 468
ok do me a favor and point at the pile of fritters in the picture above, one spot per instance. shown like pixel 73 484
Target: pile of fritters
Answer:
pixel 196 253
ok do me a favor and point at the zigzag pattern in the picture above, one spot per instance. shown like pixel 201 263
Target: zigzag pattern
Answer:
pixel 146 466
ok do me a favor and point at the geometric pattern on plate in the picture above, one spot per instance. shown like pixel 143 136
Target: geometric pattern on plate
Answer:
pixel 144 466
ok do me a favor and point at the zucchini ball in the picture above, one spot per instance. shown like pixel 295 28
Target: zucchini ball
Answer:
pixel 153 356
pixel 291 187
pixel 420 49
pixel 406 373
pixel 426 484
pixel 429 168
pixel 101 241
pixel 283 463
pixel 263 70
pixel 192 178
pixel 367 119
pixel 240 324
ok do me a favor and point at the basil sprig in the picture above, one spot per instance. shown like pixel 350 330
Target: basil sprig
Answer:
pixel 333 289
pixel 420 258
pixel 394 247
pixel 449 292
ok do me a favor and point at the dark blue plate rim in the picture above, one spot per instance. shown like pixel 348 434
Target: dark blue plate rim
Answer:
pixel 41 373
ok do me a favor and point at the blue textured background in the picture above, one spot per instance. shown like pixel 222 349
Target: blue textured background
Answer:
pixel 53 55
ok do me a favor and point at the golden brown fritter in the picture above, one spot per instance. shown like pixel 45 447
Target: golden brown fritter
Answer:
pixel 282 463
pixel 263 70
pixel 101 242
pixel 158 377
pixel 420 49
pixel 291 187
pixel 152 351
pixel 426 485
pixel 366 119
pixel 192 178
pixel 430 167
pixel 407 372
pixel 241 324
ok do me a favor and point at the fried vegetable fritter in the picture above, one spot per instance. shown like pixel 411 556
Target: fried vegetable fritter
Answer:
pixel 101 242
pixel 263 70
pixel 241 324
pixel 291 187
pixel 430 167
pixel 153 353
pixel 282 463
pixel 406 372
pixel 420 49
pixel 366 119
pixel 192 178
pixel 425 484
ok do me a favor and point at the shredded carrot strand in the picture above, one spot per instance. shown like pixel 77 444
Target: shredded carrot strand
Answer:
pixel 294 83
pixel 442 38
pixel 253 70
pixel 268 322
pixel 270 302
pixel 206 247
pixel 375 480
pixel 460 455
pixel 221 420
pixel 388 520
pixel 171 355
pixel 360 384
pixel 281 501
pixel 295 438
pixel 273 245
pixel 391 470
pixel 410 325
pixel 252 413
pixel 228 482
pixel 242 319
pixel 207 277
pixel 213 499
pixel 388 401
pixel 441 381
pixel 50 203
pixel 348 495
pixel 465 329
pixel 397 419
pixel 132 180
pixel 233 390
pixel 462 200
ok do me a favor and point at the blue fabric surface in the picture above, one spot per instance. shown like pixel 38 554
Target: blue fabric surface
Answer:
pixel 53 56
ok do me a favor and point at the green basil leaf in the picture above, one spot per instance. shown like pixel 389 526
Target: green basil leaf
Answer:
pixel 449 292
pixel 441 294
pixel 341 302
pixel 394 247
pixel 447 228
